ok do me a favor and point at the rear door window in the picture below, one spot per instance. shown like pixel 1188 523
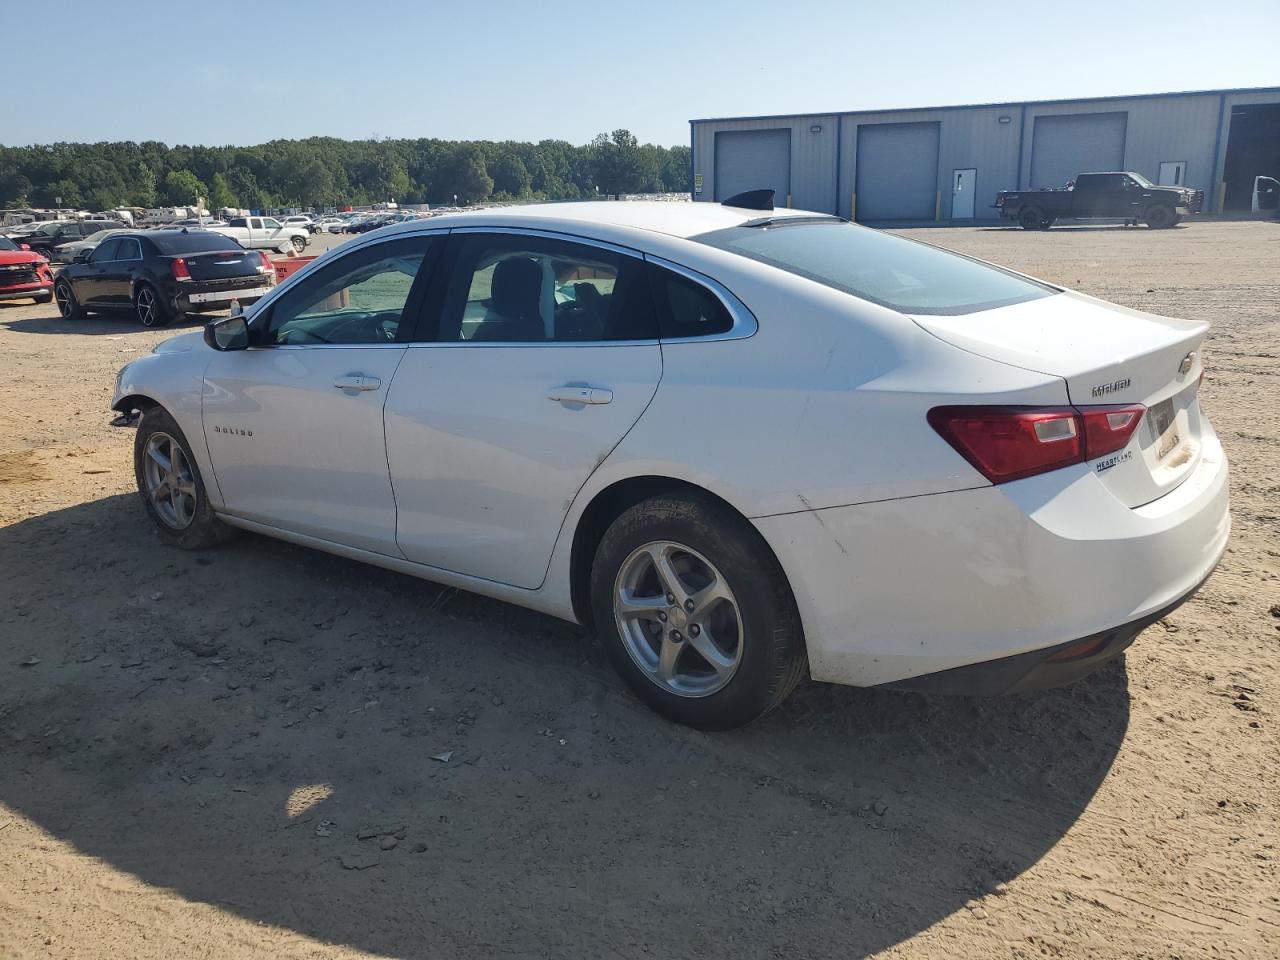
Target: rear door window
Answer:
pixel 513 288
pixel 687 308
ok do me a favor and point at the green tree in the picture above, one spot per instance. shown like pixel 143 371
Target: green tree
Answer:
pixel 220 194
pixel 182 188
pixel 463 174
pixel 617 164
pixel 142 186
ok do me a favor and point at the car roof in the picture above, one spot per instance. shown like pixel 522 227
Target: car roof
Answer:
pixel 673 218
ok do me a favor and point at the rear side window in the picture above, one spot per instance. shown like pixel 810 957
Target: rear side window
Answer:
pixel 686 308
pixel 903 275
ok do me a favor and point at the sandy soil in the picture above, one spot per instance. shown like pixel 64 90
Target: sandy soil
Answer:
pixel 264 751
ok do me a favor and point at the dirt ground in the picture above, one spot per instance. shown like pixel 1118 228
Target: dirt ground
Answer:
pixel 264 751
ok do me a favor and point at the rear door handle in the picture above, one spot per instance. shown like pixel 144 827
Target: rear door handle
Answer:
pixel 592 395
pixel 357 382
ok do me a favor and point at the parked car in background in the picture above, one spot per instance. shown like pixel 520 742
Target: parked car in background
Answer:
pixel 66 252
pixel 161 274
pixel 57 232
pixel 264 233
pixel 323 224
pixel 656 418
pixel 1127 196
pixel 24 273
pixel 300 220
pixel 342 224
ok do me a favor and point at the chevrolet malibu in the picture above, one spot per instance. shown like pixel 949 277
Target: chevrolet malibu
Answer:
pixel 741 443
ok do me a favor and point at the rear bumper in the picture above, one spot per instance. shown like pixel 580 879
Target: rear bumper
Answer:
pixel 907 588
pixel 214 295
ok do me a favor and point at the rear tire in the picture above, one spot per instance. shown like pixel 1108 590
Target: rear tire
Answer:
pixel 1031 218
pixel 1160 217
pixel 758 653
pixel 68 306
pixel 175 499
pixel 150 308
pixel 299 244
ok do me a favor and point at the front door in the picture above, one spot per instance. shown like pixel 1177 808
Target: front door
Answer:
pixel 1173 173
pixel 545 355
pixel 92 287
pixel 294 423
pixel 962 193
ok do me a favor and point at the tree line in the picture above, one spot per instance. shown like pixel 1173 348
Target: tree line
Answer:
pixel 326 171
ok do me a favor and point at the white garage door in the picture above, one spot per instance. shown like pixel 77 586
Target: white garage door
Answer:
pixel 753 160
pixel 1062 147
pixel 897 171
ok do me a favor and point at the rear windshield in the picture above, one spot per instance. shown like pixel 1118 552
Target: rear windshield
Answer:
pixel 903 275
pixel 194 242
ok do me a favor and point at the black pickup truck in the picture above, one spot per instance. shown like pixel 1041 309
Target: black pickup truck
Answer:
pixel 1124 196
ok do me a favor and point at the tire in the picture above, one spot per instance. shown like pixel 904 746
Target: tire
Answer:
pixel 149 307
pixel 186 519
pixel 299 244
pixel 68 306
pixel 1177 219
pixel 759 644
pixel 1030 218
pixel 1159 217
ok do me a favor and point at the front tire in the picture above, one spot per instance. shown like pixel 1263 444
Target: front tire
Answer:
pixel 1160 218
pixel 299 244
pixel 150 307
pixel 68 306
pixel 695 613
pixel 170 485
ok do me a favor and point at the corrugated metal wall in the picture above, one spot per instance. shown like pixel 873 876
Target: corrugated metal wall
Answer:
pixel 994 140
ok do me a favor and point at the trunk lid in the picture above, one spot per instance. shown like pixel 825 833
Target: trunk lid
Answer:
pixel 1107 354
pixel 223 264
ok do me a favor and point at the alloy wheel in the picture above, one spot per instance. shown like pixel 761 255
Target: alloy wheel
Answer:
pixel 170 481
pixel 62 294
pixel 146 306
pixel 678 618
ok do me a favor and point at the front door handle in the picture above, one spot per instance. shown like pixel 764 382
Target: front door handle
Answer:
pixel 569 394
pixel 357 382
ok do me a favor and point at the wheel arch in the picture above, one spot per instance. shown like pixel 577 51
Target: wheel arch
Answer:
pixel 135 401
pixel 611 502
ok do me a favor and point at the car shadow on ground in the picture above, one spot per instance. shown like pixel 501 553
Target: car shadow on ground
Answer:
pixel 95 323
pixel 369 759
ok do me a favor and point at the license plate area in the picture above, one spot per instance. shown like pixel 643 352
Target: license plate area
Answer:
pixel 1162 427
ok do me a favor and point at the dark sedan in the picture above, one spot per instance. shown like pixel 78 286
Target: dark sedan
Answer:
pixel 162 274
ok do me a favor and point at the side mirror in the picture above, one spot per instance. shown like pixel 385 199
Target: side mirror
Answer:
pixel 82 256
pixel 227 333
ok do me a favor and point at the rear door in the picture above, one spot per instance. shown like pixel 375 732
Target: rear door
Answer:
pixel 545 354
pixel 119 272
pixel 294 423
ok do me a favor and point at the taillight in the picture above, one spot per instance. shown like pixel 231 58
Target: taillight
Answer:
pixel 267 266
pixel 178 267
pixel 1010 443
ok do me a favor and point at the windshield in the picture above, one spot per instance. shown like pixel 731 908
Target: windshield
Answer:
pixel 99 236
pixel 7 244
pixel 903 275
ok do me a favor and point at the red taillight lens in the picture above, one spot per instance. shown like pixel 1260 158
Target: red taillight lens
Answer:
pixel 267 265
pixel 1010 443
pixel 178 267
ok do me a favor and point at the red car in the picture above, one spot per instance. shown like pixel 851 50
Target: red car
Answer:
pixel 23 274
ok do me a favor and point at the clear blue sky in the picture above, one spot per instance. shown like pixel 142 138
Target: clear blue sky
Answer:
pixel 240 72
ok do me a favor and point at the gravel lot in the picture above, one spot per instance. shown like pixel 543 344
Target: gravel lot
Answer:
pixel 265 751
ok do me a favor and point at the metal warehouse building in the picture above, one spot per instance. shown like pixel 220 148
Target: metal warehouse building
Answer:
pixel 944 163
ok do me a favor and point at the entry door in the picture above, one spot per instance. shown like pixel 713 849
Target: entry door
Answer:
pixel 294 423
pixel 93 285
pixel 545 357
pixel 1173 173
pixel 963 183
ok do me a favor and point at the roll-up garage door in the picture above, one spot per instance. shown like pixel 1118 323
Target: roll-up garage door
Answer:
pixel 1062 147
pixel 897 171
pixel 753 160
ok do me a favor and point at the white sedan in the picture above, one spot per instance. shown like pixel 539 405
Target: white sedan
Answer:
pixel 742 443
